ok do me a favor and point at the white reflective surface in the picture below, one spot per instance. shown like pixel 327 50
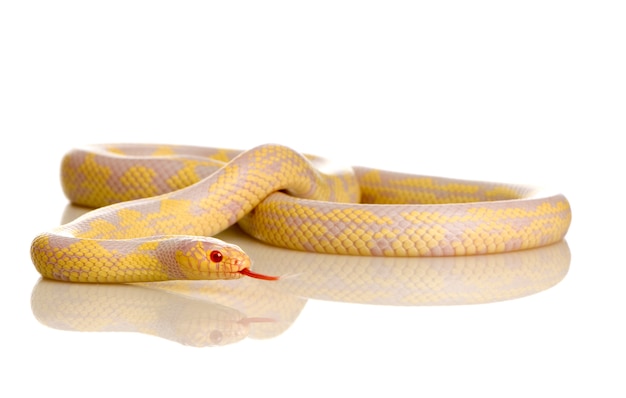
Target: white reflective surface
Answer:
pixel 531 93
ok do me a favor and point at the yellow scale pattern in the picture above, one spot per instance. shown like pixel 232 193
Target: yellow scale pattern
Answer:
pixel 401 214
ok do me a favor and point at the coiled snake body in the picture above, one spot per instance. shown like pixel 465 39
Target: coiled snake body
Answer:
pixel 162 204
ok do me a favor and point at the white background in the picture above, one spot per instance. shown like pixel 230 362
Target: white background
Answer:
pixel 529 91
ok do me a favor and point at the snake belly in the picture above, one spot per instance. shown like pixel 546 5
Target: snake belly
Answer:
pixel 160 205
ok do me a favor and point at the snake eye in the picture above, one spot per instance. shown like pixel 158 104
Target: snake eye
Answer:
pixel 216 256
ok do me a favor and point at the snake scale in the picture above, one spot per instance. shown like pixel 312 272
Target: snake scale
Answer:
pixel 160 205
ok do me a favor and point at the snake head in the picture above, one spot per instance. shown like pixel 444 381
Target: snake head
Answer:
pixel 210 258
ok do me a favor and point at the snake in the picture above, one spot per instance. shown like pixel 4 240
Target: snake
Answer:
pixel 158 207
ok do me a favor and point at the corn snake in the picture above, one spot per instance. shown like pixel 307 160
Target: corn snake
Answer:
pixel 160 205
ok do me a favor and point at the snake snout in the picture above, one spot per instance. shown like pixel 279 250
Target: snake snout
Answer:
pixel 241 263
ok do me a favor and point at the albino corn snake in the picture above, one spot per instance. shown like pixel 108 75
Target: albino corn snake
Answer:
pixel 278 196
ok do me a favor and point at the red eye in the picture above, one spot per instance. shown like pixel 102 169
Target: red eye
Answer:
pixel 216 256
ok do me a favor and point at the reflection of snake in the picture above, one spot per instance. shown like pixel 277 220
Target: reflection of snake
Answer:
pixel 424 216
pixel 200 316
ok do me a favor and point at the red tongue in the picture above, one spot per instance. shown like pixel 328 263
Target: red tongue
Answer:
pixel 248 272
